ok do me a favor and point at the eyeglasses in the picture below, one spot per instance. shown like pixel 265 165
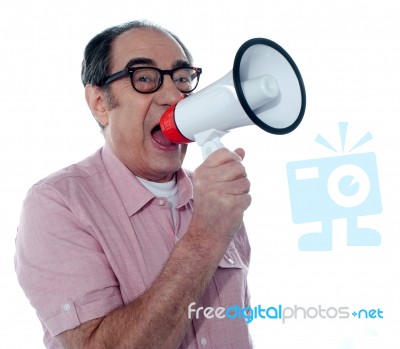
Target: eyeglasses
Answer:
pixel 150 79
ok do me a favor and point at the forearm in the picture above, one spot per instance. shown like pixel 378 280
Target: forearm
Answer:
pixel 159 317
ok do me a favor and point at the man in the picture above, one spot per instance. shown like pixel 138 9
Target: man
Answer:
pixel 117 250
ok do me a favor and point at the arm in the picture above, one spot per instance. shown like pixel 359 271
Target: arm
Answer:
pixel 159 317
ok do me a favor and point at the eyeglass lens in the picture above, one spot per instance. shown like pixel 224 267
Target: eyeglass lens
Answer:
pixel 149 79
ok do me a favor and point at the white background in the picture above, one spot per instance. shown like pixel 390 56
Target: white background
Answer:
pixel 348 52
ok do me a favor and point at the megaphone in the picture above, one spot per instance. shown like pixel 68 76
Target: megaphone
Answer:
pixel 264 88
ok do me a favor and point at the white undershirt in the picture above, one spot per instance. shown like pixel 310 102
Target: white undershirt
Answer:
pixel 168 190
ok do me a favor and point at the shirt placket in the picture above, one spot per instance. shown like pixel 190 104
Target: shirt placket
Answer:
pixel 165 216
pixel 202 335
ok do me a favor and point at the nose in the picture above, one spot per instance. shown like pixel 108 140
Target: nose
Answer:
pixel 168 94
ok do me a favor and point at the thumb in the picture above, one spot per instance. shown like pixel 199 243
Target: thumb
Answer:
pixel 240 152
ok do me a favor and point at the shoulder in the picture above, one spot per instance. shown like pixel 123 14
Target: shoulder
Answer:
pixel 85 168
pixel 89 167
pixel 66 185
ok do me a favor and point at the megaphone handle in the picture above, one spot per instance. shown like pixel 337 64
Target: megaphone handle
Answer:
pixel 209 141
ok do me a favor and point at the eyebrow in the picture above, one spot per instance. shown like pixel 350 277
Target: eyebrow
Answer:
pixel 140 61
pixel 150 62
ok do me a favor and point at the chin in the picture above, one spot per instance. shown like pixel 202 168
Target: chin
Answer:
pixel 166 166
pixel 174 156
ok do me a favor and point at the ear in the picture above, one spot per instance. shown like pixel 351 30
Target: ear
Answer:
pixel 96 101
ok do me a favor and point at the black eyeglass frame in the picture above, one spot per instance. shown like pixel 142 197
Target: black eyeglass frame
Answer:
pixel 129 72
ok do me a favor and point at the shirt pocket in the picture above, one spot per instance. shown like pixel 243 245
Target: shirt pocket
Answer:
pixel 230 279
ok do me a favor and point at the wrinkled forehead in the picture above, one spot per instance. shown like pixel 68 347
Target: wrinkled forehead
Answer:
pixel 151 43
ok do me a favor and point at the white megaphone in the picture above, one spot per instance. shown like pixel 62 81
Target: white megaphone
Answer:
pixel 263 88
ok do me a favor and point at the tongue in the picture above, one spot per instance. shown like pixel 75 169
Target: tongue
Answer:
pixel 160 138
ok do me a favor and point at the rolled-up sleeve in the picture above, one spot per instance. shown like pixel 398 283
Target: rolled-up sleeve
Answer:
pixel 60 265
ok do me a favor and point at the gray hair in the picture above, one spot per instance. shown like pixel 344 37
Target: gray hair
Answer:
pixel 97 55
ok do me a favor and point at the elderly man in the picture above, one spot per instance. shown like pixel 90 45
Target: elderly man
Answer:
pixel 125 249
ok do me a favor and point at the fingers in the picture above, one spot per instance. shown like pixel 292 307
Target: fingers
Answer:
pixel 226 165
pixel 223 172
pixel 228 172
pixel 221 193
pixel 239 186
pixel 223 155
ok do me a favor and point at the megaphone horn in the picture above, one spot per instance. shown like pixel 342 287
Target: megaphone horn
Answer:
pixel 264 87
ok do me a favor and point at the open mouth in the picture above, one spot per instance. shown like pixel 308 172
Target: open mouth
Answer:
pixel 159 137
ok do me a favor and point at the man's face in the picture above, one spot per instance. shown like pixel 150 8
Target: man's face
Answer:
pixel 132 119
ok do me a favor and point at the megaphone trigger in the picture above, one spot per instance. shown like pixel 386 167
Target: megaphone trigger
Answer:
pixel 209 141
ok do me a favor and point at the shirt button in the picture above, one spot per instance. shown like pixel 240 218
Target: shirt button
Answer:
pixel 231 261
pixel 203 341
pixel 66 307
pixel 161 202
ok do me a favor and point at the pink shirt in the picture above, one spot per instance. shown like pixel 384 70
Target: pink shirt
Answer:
pixel 92 238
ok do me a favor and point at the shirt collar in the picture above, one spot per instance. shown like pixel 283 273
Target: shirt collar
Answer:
pixel 132 193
